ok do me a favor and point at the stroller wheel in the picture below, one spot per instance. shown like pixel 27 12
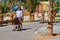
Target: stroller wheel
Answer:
pixel 15 29
pixel 19 29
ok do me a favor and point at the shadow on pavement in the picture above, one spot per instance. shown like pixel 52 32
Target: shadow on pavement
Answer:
pixel 1 25
pixel 56 34
pixel 26 28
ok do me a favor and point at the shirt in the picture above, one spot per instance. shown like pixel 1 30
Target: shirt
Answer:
pixel 19 13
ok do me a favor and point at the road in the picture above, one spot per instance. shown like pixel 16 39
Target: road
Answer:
pixel 6 32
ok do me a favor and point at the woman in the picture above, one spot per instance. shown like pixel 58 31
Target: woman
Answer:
pixel 18 20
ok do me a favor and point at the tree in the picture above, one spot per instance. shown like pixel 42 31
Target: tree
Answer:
pixel 31 5
pixel 4 8
pixel 55 8
pixel 44 0
pixel 50 21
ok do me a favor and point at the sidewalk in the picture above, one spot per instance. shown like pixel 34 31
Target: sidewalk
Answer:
pixel 40 33
pixel 6 32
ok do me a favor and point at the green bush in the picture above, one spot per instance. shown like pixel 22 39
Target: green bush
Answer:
pixel 4 8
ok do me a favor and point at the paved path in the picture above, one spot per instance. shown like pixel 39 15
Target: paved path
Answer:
pixel 6 32
pixel 43 30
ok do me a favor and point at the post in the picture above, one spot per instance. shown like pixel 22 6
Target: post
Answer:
pixel 42 17
pixel 1 18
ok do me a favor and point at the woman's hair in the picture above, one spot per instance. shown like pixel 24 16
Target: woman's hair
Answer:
pixel 19 7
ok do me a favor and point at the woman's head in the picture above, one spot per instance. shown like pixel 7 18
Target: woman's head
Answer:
pixel 19 8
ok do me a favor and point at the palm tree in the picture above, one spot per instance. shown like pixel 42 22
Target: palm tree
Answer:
pixel 31 5
pixel 50 21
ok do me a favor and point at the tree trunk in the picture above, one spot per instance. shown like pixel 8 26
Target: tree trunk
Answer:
pixel 42 17
pixel 50 21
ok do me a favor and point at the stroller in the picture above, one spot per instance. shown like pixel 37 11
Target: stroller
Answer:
pixel 17 24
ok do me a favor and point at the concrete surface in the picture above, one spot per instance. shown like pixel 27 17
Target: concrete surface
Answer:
pixel 6 32
pixel 40 33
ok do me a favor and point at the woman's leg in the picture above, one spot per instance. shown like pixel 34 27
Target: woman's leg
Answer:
pixel 20 20
pixel 21 24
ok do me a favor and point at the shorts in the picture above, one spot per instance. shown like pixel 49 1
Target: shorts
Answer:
pixel 20 19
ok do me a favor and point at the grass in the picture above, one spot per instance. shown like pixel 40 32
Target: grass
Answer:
pixel 57 18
